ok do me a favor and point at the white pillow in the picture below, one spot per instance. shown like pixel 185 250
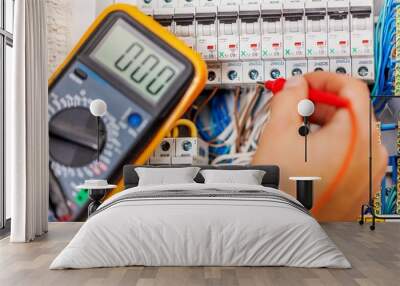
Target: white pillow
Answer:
pixel 164 176
pixel 247 177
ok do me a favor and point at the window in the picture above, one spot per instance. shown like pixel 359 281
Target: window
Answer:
pixel 6 44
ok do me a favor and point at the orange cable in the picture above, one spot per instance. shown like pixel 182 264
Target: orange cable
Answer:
pixel 331 189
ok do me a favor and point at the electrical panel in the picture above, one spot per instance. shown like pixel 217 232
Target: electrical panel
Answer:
pixel 264 39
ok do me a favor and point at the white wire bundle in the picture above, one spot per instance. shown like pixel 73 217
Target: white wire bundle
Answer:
pixel 248 121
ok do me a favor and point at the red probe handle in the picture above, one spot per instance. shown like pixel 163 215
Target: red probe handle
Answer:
pixel 314 95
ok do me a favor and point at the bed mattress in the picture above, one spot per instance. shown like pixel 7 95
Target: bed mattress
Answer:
pixel 201 225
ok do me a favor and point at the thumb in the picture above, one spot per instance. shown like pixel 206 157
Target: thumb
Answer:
pixel 284 104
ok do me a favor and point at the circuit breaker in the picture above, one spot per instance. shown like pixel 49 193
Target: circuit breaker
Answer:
pixel 316 29
pixel 250 33
pixel 232 72
pixel 253 72
pixel 338 29
pixel 340 65
pixel 274 69
pixel 362 26
pixel 206 31
pixel 296 67
pixel 315 65
pixel 271 27
pixel 185 26
pixel 293 29
pixel 228 35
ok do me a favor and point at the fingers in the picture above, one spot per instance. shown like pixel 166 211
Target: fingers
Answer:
pixel 327 81
pixel 342 85
pixel 284 104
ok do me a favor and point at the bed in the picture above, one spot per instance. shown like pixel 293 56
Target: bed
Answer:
pixel 201 224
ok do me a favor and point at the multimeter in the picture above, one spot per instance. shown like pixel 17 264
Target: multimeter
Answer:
pixel 147 77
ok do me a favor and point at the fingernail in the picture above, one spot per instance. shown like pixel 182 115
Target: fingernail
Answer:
pixel 294 82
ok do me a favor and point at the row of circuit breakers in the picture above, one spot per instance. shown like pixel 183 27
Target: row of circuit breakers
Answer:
pixel 245 41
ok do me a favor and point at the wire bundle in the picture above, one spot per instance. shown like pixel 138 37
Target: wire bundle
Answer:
pixel 231 122
pixel 385 53
pixel 389 198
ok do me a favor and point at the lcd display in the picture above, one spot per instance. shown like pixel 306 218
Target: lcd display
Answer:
pixel 144 66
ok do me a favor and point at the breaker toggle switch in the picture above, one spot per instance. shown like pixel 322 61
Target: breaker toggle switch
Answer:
pixel 185 27
pixel 206 31
pixel 293 30
pixel 271 38
pixel 338 29
pixel 228 36
pixel 316 30
pixel 249 41
pixel 362 28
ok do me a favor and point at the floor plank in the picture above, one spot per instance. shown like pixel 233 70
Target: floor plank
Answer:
pixel 375 257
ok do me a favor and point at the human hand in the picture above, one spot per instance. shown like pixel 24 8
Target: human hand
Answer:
pixel 281 144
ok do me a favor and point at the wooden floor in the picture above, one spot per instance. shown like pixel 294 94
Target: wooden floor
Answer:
pixel 375 257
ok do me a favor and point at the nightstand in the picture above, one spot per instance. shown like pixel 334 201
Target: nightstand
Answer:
pixel 304 190
pixel 98 189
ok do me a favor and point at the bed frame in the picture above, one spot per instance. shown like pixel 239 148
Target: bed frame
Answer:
pixel 270 179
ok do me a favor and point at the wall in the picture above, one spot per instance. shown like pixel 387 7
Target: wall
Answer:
pixel 58 31
pixel 67 20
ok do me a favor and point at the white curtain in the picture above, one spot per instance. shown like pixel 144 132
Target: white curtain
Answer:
pixel 27 124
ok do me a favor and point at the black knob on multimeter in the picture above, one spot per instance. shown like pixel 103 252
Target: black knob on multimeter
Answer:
pixel 73 137
pixel 147 77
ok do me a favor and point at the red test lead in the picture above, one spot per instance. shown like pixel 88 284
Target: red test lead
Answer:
pixel 314 95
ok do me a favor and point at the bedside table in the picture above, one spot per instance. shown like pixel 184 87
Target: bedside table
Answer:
pixel 98 189
pixel 304 190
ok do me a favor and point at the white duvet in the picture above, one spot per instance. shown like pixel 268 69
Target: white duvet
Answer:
pixel 200 231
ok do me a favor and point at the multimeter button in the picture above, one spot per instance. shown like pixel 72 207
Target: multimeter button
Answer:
pixel 135 119
pixel 80 73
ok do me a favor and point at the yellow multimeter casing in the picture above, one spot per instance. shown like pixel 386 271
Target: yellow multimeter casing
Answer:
pixel 156 78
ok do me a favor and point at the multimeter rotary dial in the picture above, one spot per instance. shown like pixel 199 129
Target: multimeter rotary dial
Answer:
pixel 73 137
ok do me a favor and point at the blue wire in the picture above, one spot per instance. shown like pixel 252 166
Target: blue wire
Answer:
pixel 388 126
pixel 384 44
